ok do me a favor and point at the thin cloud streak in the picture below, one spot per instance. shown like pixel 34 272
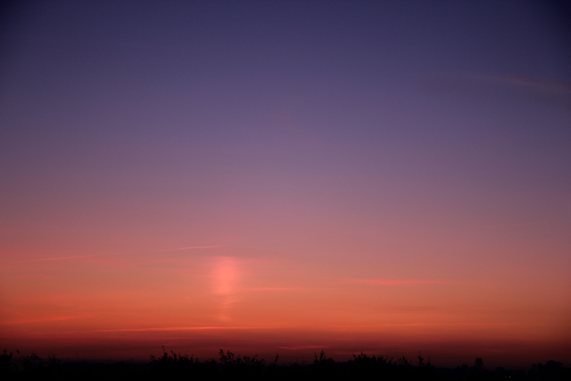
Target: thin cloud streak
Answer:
pixel 551 87
pixel 525 84
pixel 44 320
pixel 397 282
pixel 59 258
pixel 190 248
pixel 302 347
pixel 183 328
pixel 272 289
pixel 65 258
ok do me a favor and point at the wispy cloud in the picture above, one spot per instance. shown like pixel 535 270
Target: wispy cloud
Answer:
pixel 49 319
pixel 397 282
pixel 555 89
pixel 302 347
pixel 192 248
pixel 527 83
pixel 272 289
pixel 65 258
pixel 183 329
pixel 56 258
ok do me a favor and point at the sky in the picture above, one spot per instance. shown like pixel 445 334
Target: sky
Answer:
pixel 285 177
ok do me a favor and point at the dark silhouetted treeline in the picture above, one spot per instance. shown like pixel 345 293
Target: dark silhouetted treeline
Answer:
pixel 172 366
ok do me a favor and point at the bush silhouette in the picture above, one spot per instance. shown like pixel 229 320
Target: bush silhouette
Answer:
pixel 229 366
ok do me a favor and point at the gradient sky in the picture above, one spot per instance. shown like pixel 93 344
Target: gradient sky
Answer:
pixel 283 176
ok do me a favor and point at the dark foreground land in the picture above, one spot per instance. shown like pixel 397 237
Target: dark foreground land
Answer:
pixel 171 366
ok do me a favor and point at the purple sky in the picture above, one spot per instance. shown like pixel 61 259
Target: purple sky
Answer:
pixel 406 142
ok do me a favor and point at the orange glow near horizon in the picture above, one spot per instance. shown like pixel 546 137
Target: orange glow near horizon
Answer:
pixel 223 290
